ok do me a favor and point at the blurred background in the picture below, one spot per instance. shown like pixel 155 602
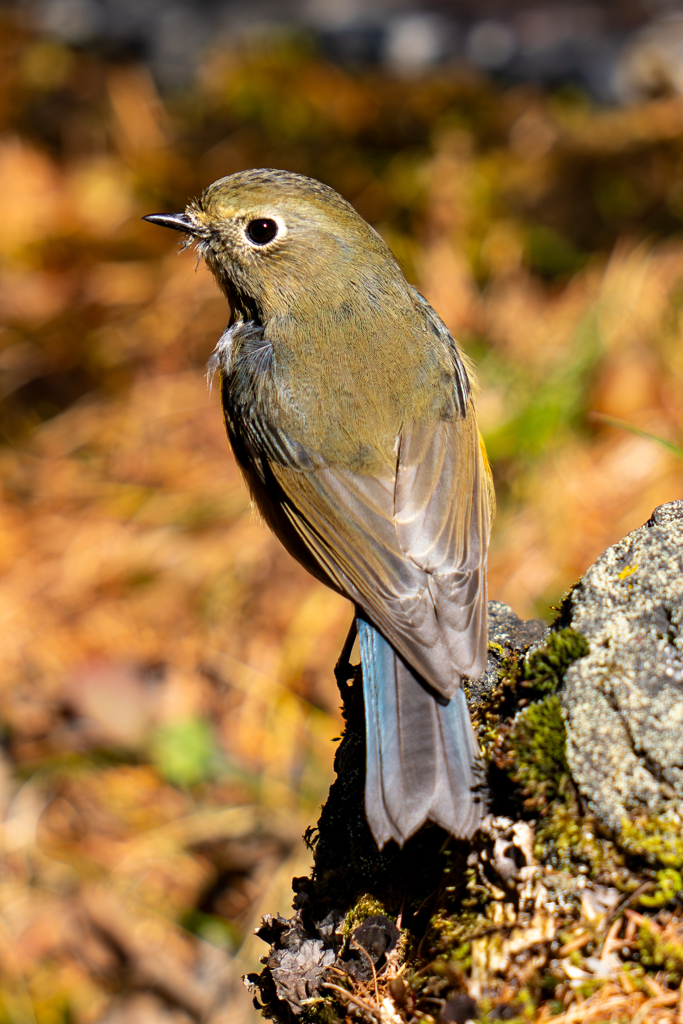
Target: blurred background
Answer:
pixel 167 703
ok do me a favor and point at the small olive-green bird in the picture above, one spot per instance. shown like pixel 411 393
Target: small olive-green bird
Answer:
pixel 349 409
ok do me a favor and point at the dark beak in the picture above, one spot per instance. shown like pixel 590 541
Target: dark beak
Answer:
pixel 177 221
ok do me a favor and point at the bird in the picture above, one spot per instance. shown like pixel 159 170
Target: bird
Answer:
pixel 350 411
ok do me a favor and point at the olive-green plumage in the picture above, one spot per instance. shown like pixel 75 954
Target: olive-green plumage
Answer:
pixel 349 408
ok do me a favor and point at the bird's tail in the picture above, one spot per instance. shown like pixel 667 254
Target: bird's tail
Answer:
pixel 423 760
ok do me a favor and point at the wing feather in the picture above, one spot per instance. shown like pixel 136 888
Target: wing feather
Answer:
pixel 408 547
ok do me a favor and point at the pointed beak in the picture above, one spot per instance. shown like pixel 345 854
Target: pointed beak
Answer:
pixel 177 221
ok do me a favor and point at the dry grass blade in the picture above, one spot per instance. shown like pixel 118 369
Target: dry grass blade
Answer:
pixel 367 956
pixel 356 1000
pixel 576 943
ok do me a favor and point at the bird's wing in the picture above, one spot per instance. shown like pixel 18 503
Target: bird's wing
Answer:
pixel 408 547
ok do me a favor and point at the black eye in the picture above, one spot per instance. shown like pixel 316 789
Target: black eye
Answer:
pixel 262 230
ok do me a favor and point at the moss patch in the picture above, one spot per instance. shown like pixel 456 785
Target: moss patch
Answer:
pixel 522 682
pixel 657 839
pixel 450 934
pixel 544 669
pixel 532 752
pixel 668 885
pixel 365 906
pixel 660 950
pixel 523 735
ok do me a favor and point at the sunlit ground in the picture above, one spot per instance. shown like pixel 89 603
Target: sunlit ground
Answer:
pixel 166 697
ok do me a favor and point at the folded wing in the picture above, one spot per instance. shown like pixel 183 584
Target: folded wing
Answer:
pixel 409 547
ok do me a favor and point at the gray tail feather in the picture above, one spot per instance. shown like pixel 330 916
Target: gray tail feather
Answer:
pixel 423 761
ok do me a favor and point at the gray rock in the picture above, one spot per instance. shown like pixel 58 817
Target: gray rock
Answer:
pixel 623 702
pixel 508 635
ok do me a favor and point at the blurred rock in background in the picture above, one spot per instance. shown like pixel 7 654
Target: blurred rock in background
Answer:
pixel 616 50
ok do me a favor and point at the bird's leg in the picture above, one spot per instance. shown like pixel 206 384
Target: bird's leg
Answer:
pixel 343 670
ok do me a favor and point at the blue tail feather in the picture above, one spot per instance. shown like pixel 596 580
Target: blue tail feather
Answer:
pixel 423 761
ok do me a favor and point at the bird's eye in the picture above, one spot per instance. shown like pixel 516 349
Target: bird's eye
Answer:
pixel 262 230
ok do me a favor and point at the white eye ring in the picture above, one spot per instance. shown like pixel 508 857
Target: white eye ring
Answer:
pixel 261 231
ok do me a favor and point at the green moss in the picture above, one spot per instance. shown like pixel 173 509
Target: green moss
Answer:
pixel 565 839
pixel 365 906
pixel 529 1005
pixel 658 840
pixel 544 669
pixel 656 950
pixel 559 838
pixel 405 947
pixel 320 1010
pixel 451 935
pixel 528 680
pixel 530 747
pixel 522 733
pixel 669 885
pixel 462 956
pixel 532 751
pixel 588 988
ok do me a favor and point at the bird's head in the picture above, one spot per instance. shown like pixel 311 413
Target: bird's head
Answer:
pixel 280 244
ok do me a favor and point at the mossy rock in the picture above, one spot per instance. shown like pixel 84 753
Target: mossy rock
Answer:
pixel 463 907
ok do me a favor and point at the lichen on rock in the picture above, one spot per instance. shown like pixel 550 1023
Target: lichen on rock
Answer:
pixel 624 702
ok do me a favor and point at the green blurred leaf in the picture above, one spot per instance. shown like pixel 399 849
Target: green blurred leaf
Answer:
pixel 185 751
pixel 544 409
pixel 216 930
